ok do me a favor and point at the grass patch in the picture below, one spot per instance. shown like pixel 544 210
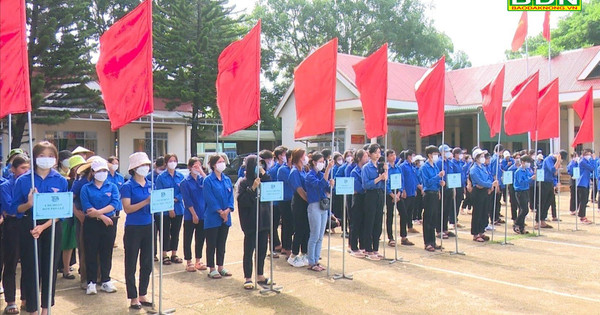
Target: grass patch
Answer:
pixel 514 237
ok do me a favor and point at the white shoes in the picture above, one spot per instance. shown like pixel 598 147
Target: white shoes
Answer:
pixel 108 287
pixel 91 289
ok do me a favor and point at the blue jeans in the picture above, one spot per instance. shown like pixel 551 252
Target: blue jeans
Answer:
pixel 317 220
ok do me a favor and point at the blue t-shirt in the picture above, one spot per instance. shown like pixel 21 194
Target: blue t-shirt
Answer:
pixel 137 193
pixel 283 175
pixel 6 189
pixel 316 186
pixel 218 195
pixel 369 174
pixel 165 180
pixel 297 178
pixel 98 198
pixel 54 182
pixel 409 179
pixel 118 180
pixel 429 174
pixel 357 176
pixel 193 196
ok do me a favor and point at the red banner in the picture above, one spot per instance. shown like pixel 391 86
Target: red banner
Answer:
pixel 430 92
pixel 520 116
pixel 491 104
pixel 548 113
pixel 584 108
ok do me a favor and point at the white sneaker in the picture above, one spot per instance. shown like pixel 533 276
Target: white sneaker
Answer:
pixel 305 260
pixel 291 260
pixel 108 287
pixel 490 227
pixel 91 289
pixel 1 290
pixel 298 262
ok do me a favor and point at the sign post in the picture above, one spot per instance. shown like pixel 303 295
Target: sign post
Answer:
pixel 507 179
pixel 455 181
pixel 161 200
pixel 344 186
pixel 269 192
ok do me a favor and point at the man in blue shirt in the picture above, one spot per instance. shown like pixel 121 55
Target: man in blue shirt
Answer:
pixel 586 169
pixel 373 181
pixel 497 173
pixel 410 181
pixel 572 184
pixel 550 165
pixel 285 206
pixel 483 186
pixel 521 180
pixel 279 159
pixel 394 198
pixel 433 180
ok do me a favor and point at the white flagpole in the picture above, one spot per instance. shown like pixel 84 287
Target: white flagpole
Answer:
pixel 35 241
pixel 152 187
pixel 329 216
pixel 257 211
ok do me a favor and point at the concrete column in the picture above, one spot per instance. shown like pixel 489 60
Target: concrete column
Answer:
pixel 456 133
pixel 570 128
pixel 418 148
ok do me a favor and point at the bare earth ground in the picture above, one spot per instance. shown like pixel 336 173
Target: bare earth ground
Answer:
pixel 556 273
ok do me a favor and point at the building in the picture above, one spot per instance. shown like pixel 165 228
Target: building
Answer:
pixel 465 124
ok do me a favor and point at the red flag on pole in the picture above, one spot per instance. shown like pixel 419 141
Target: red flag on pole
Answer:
pixel 238 83
pixel 14 66
pixel 491 104
pixel 584 108
pixel 521 33
pixel 520 116
pixel 314 88
pixel 546 30
pixel 125 67
pixel 429 92
pixel 547 113
pixel 372 83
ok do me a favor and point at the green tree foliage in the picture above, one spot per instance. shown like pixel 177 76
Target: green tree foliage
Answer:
pixel 460 60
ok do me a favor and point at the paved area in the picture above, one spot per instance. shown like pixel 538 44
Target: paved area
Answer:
pixel 556 273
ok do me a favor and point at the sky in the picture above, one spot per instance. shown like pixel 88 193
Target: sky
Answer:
pixel 482 28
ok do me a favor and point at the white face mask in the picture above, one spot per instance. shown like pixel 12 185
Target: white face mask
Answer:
pixel 45 162
pixel 114 167
pixel 461 156
pixel 172 165
pixel 220 167
pixel 587 157
pixel 527 165
pixel 435 158
pixel 448 155
pixel 65 163
pixel 305 160
pixel 270 164
pixel 419 163
pixel 101 176
pixel 340 162
pixel 142 170
pixel 349 159
pixel 470 161
pixel 320 166
pixel 482 160
pixel 284 159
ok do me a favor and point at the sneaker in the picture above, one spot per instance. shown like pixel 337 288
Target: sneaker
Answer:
pixel 298 262
pixel 291 259
pixel 490 227
pixel 305 260
pixel 108 287
pixel 91 289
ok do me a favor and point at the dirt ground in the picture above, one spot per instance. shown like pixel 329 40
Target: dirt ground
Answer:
pixel 556 273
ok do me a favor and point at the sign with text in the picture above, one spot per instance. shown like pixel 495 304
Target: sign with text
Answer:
pixel 576 173
pixel 507 178
pixel 271 191
pixel 539 175
pixel 344 186
pixel 395 181
pixel 454 180
pixel 52 205
pixel 162 200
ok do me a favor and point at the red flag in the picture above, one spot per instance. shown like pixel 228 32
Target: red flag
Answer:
pixel 546 31
pixel 372 83
pixel 491 104
pixel 314 88
pixel 14 75
pixel 238 83
pixel 521 33
pixel 584 108
pixel 125 67
pixel 429 92
pixel 520 86
pixel 547 113
pixel 520 116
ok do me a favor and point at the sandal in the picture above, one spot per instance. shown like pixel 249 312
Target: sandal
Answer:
pixel 190 267
pixel 214 274
pixel 166 261
pixel 146 303
pixel 315 268
pixel 373 257
pixel 430 248
pixel 392 243
pixel 478 239
pixel 275 255
pixel 176 259
pixel 68 276
pixel 248 285
pixel 135 306
pixel 225 273
pixel 266 282
pixel 200 266
pixel 11 309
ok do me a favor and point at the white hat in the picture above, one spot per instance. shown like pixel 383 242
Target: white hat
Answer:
pixel 88 163
pixel 506 154
pixel 81 149
pixel 540 157
pixel 138 159
pixel 99 164
pixel 419 158
pixel 478 152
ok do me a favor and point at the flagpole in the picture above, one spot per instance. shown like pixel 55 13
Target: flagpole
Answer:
pixel 152 187
pixel 442 196
pixel 330 212
pixel 478 128
pixel 527 75
pixel 257 211
pixel 496 189
pixel 35 240
pixel 9 133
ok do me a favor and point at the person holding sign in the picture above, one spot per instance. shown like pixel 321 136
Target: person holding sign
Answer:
pixel 550 165
pixel 247 213
pixel 137 240
pixel 583 184
pixel 521 180
pixel 574 163
pixel 10 235
pixel 357 207
pixel 218 194
pixel 483 185
pixel 374 174
pixel 193 217
pixel 299 205
pixel 47 180
pixel 99 199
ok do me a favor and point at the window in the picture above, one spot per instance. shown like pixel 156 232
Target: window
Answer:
pixel 339 141
pixel 69 140
pixel 160 144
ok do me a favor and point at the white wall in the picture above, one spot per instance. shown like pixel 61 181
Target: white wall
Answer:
pixel 105 146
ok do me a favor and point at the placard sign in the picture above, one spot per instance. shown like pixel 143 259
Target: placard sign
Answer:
pixel 454 180
pixel 395 181
pixel 271 191
pixel 539 175
pixel 576 173
pixel 507 178
pixel 52 205
pixel 162 200
pixel 344 186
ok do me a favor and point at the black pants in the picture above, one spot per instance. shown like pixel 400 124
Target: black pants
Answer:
pixel 533 196
pixel 572 205
pixel 409 205
pixel 276 221
pixel 156 232
pixel 373 210
pixel 137 240
pixel 249 246
pixel 479 219
pixel 583 194
pixel 28 262
pixel 287 224
pixel 338 205
pixel 448 207
pixel 171 229
pixel 356 224
pixel 389 221
pixel 99 240
pixel 431 216
pixel 467 203
pixel 514 203
pixel 10 258
pixel 547 194
pixel 522 201
pixel 419 204
pixel 301 227
pixel 553 203
pixel 216 239
pixel 197 232
pixel 494 206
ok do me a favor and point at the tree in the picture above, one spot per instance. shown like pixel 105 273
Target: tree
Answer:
pixel 459 60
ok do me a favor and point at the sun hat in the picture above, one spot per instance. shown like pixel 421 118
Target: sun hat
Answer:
pixel 99 164
pixel 81 149
pixel 138 159
pixel 75 161
pixel 88 164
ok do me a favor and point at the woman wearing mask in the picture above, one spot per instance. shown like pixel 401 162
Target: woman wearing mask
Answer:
pixel 358 206
pixel 287 218
pixel 47 180
pixel 218 194
pixel 299 206
pixel 483 184
pixel 69 233
pixel 137 240
pixel 79 175
pixel 318 185
pixel 373 180
pixel 193 224
pixel 116 178
pixel 99 199
pixel 173 218
pixel 10 235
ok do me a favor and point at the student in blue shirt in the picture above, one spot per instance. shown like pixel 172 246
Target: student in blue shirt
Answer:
pixel 550 165
pixel 572 184
pixel 467 204
pixel 218 195
pixel 410 184
pixel 10 234
pixel 338 200
pixel 285 206
pixel 583 184
pixel 299 209
pixel 47 180
pixel 433 181
pixel 373 180
pixel 357 208
pixel 318 185
pixel 418 211
pixel 448 197
pixel 7 171
pixel 514 203
pixel 482 186
pixel 458 193
pixel 99 199
pixel 159 167
pixel 521 179
pixel 399 198
pixel 137 240
pixel 79 174
pixel 116 178
pixel 496 170
pixel 271 164
pixel 172 219
pixel 193 217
